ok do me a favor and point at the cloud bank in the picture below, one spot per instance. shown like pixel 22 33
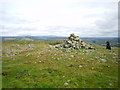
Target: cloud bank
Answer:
pixel 88 18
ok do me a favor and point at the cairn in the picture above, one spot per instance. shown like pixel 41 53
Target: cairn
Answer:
pixel 74 42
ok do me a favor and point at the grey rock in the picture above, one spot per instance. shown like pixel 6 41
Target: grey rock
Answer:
pixel 67 50
pixel 74 42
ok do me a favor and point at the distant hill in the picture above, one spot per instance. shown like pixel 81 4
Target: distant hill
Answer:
pixel 93 40
pixel 102 40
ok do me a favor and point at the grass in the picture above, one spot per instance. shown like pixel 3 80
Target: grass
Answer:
pixel 46 67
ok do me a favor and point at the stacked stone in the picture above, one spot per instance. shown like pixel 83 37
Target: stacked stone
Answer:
pixel 73 42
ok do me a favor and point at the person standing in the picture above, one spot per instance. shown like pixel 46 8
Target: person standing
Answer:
pixel 108 45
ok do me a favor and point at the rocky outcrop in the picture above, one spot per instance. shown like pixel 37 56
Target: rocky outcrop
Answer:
pixel 74 42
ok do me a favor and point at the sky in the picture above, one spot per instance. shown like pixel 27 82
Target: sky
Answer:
pixel 85 18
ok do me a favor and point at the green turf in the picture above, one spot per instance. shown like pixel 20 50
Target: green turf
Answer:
pixel 45 67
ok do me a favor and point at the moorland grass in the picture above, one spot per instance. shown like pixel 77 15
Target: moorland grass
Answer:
pixel 46 67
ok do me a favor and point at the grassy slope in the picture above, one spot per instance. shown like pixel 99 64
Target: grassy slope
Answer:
pixel 51 68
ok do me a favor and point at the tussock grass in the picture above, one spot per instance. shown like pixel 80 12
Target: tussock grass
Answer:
pixel 46 67
pixel 55 42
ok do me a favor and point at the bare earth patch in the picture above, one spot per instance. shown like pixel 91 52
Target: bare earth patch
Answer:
pixel 9 38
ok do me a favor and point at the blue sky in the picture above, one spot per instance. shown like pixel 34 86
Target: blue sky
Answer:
pixel 86 18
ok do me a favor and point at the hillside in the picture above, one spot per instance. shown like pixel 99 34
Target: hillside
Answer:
pixel 93 40
pixel 35 64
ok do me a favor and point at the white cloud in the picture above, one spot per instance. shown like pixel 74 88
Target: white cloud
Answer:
pixel 59 17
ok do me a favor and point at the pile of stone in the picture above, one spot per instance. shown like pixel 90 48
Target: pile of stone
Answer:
pixel 74 42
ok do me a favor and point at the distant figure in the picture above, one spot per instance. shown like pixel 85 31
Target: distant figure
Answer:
pixel 108 45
